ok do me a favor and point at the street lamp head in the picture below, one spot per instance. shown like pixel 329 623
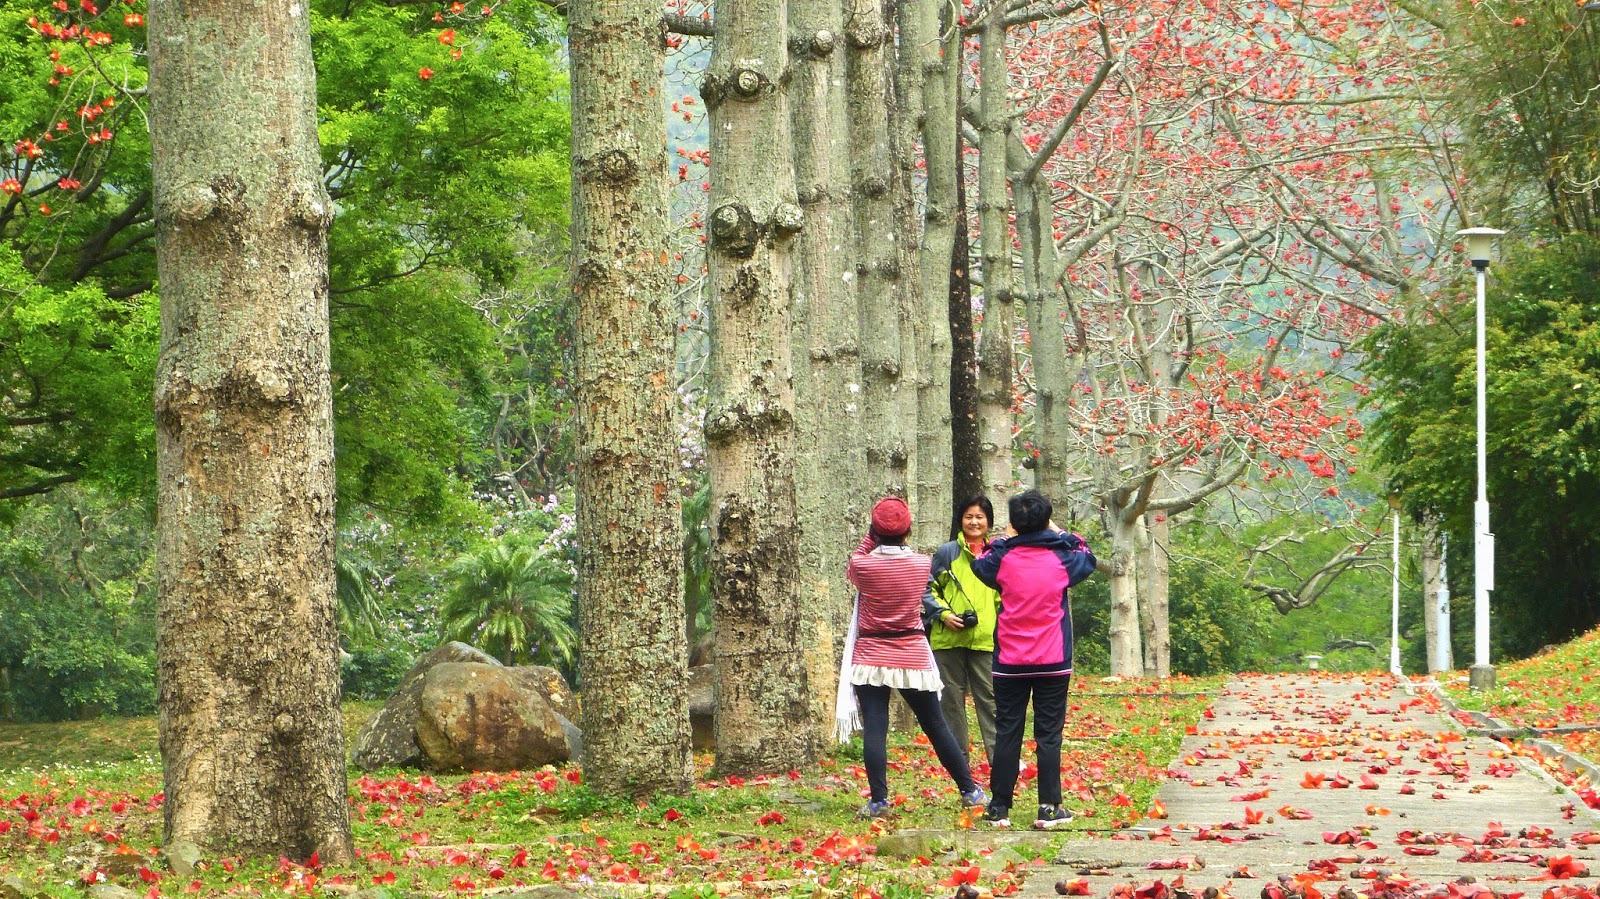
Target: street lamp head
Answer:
pixel 1480 243
pixel 1591 6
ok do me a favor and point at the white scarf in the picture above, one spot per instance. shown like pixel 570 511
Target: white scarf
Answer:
pixel 846 714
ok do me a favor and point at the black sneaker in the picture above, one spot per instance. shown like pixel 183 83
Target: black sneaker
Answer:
pixel 1051 816
pixel 997 816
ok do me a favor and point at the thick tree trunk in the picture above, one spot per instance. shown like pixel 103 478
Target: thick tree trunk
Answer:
pixel 630 528
pixel 1127 654
pixel 1156 335
pixel 827 373
pixel 920 42
pixel 248 677
pixel 1043 306
pixel 999 317
pixel 763 706
pixel 905 112
pixel 1155 581
pixel 966 473
pixel 886 389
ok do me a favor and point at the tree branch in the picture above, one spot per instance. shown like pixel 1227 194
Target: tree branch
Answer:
pixel 688 26
pixel 1048 148
pixel 38 487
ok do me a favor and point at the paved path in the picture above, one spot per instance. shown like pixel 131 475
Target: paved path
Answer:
pixel 1447 797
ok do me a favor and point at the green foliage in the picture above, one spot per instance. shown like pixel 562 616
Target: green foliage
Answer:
pixel 78 599
pixel 1091 621
pixel 374 673
pixel 355 588
pixel 438 182
pixel 77 396
pixel 513 598
pixel 1543 425
pixel 1216 626
pixel 1524 72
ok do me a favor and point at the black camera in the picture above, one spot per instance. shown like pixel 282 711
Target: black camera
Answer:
pixel 969 618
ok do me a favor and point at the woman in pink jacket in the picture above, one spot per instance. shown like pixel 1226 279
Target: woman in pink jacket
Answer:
pixel 1032 568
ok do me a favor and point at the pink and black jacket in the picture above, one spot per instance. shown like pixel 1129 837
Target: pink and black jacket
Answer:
pixel 1033 636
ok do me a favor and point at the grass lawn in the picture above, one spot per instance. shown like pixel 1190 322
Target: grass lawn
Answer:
pixel 1548 690
pixel 1553 689
pixel 81 800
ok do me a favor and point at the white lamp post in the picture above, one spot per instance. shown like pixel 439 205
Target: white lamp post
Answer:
pixel 1480 246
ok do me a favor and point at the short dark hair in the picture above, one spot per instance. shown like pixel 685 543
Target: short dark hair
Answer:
pixel 1030 512
pixel 977 499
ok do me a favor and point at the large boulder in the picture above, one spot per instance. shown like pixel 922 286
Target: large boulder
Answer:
pixel 549 683
pixel 574 738
pixel 389 738
pixel 476 717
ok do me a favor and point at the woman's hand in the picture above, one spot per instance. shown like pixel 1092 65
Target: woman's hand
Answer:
pixel 952 621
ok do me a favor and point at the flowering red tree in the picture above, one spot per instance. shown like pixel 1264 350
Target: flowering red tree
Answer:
pixel 1211 202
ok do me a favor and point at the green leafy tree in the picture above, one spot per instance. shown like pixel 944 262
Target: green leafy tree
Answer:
pixel 513 599
pixel 444 144
pixel 1217 626
pixel 1543 427
pixel 359 609
pixel 75 393
pixel 1525 73
pixel 78 602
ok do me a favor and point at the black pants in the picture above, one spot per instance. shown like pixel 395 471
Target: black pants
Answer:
pixel 874 702
pixel 1049 716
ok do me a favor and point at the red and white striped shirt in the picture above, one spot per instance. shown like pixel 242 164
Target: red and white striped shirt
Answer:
pixel 891 580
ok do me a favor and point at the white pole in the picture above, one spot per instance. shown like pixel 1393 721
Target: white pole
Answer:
pixel 1443 654
pixel 1394 618
pixel 1483 544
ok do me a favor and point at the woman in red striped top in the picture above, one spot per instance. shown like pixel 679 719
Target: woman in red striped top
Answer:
pixel 888 649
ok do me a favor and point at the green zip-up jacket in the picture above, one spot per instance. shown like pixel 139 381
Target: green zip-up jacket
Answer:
pixel 953 587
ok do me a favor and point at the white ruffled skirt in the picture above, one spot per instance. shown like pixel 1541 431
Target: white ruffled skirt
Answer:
pixel 899 678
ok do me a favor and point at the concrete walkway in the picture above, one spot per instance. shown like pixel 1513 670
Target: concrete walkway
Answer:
pixel 1350 777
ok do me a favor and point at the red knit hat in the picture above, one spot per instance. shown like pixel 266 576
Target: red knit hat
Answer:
pixel 891 517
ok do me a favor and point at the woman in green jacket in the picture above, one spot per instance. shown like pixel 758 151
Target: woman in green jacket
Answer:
pixel 960 611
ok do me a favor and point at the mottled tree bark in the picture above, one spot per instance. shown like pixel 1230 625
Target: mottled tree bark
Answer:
pixel 248 676
pixel 1042 303
pixel 1122 525
pixel 827 364
pixel 1156 328
pixel 887 397
pixel 936 79
pixel 630 528
pixel 1155 580
pixel 763 708
pixel 999 315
